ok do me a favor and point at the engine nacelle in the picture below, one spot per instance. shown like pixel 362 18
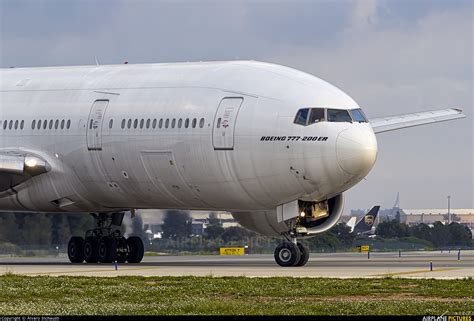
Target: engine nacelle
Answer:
pixel 309 218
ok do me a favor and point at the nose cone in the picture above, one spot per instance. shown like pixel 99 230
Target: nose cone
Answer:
pixel 356 150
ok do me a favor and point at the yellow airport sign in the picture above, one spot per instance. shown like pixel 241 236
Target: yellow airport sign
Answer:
pixel 232 251
pixel 363 248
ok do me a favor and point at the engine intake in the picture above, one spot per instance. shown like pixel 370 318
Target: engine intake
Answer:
pixel 302 217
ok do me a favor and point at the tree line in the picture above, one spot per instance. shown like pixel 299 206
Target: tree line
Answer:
pixel 42 228
pixel 440 235
pixel 53 229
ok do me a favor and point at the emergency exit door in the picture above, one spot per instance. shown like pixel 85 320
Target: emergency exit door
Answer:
pixel 224 123
pixel 94 124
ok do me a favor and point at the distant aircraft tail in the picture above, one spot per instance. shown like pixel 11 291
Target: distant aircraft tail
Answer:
pixel 367 222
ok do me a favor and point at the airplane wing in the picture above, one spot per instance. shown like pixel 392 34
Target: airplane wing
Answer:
pixel 386 124
pixel 18 166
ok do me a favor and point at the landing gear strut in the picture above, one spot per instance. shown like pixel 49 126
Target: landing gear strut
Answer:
pixel 104 244
pixel 291 253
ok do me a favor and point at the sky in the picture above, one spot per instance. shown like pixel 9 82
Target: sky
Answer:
pixel 392 57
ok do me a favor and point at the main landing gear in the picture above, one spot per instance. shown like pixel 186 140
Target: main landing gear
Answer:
pixel 104 244
pixel 291 253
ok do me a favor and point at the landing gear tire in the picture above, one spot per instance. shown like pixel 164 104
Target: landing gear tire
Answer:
pixel 90 249
pixel 107 249
pixel 287 254
pixel 136 249
pixel 304 250
pixel 75 249
pixel 122 250
pixel 105 244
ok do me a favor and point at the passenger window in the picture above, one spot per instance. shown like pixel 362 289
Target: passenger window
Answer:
pixel 186 123
pixel 173 123
pixel 68 125
pixel 5 123
pixel 201 123
pixel 56 124
pixel 218 123
pixel 45 124
pixel 154 123
pixel 180 123
pixel 10 125
pixel 302 116
pixel 142 122
pixel 167 123
pixel 135 123
pixel 358 115
pixel 62 124
pixel 339 115
pixel 111 123
pixel 161 123
pixel 39 124
pixel 22 124
pixel 123 123
pixel 129 124
pixel 317 115
pixel 51 124
pixel 194 122
pixel 148 123
pixel 33 124
pixel 16 124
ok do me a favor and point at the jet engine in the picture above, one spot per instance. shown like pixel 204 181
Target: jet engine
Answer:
pixel 298 218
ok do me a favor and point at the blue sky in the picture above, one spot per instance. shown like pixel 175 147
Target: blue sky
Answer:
pixel 392 57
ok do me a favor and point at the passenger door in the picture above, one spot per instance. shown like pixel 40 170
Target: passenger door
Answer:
pixel 224 123
pixel 94 124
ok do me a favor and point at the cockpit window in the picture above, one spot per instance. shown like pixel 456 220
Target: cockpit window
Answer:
pixel 358 115
pixel 302 116
pixel 339 115
pixel 317 115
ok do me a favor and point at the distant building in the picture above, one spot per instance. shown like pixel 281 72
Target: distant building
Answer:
pixel 153 220
pixel 153 231
pixel 463 216
pixel 226 219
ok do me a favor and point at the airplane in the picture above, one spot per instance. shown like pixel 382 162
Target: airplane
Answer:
pixel 274 146
pixel 366 224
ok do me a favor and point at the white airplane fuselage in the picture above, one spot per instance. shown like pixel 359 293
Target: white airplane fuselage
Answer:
pixel 259 160
pixel 214 136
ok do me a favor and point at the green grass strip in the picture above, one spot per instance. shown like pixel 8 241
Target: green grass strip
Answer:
pixel 133 295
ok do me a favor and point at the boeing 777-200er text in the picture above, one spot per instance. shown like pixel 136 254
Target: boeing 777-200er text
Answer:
pixel 274 146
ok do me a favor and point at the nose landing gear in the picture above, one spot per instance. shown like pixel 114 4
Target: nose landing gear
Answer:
pixel 291 253
pixel 105 245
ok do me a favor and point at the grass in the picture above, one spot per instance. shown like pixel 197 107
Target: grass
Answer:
pixel 232 296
